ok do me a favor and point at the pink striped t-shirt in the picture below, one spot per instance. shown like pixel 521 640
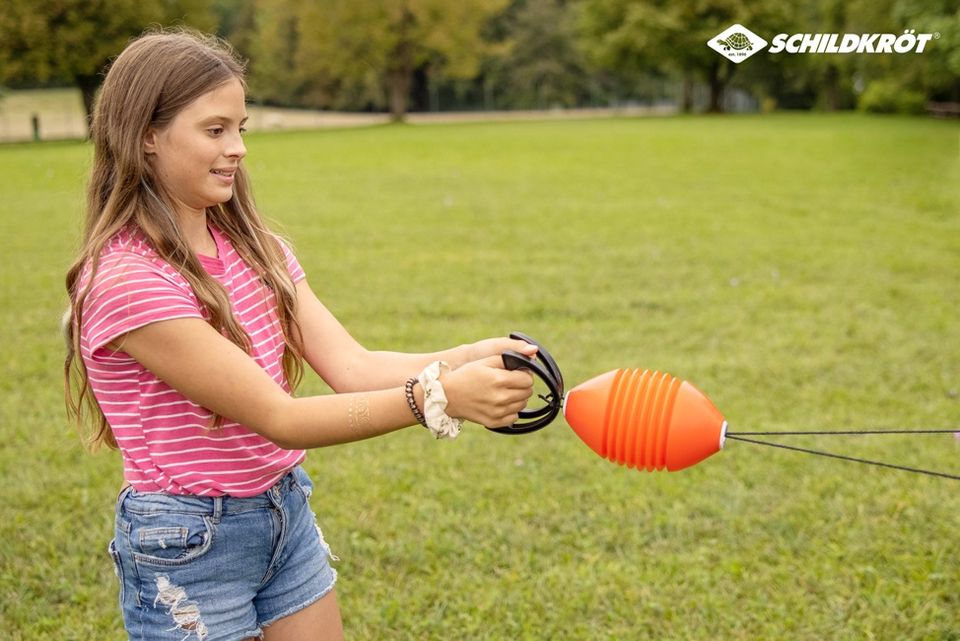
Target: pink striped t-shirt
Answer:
pixel 165 440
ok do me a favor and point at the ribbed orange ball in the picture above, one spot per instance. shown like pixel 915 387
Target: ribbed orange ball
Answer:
pixel 645 419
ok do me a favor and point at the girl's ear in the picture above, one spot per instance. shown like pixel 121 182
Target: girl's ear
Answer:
pixel 150 142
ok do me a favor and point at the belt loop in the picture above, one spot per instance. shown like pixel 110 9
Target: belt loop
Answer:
pixel 217 508
pixel 118 505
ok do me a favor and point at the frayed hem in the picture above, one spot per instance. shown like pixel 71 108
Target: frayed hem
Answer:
pixel 305 604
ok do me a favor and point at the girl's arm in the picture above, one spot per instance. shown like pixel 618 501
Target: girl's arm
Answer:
pixel 196 360
pixel 346 366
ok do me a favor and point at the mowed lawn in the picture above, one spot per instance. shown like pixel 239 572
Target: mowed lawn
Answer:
pixel 801 270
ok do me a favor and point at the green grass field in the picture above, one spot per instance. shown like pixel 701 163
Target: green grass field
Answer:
pixel 802 270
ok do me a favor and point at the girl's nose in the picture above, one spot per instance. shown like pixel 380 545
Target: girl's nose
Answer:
pixel 236 148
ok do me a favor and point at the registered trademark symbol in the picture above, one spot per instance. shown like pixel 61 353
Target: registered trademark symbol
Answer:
pixel 936 35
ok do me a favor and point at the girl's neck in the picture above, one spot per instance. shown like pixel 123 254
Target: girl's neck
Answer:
pixel 193 223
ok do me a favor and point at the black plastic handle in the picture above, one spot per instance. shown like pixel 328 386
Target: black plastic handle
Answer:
pixel 545 368
pixel 543 355
pixel 514 360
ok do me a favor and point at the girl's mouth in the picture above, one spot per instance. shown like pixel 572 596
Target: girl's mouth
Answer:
pixel 224 175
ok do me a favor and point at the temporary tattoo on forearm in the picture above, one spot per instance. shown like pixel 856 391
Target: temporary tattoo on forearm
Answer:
pixel 358 413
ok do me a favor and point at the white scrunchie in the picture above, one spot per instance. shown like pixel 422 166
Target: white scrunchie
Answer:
pixel 435 402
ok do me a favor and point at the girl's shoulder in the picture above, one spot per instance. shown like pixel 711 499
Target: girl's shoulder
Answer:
pixel 130 286
pixel 128 254
pixel 131 243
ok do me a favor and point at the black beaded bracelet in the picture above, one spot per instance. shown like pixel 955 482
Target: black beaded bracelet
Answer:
pixel 412 402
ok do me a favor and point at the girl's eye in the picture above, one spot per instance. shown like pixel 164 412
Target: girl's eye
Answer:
pixel 243 130
pixel 215 131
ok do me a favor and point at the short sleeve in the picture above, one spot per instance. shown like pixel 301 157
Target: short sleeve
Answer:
pixel 293 265
pixel 129 292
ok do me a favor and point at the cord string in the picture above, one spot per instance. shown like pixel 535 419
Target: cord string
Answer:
pixel 847 432
pixel 737 436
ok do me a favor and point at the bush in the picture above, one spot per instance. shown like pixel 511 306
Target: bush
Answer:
pixel 884 96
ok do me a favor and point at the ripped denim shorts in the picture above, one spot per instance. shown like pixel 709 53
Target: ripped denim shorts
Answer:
pixel 218 569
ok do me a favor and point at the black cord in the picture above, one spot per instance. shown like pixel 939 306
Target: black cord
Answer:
pixel 736 437
pixel 847 432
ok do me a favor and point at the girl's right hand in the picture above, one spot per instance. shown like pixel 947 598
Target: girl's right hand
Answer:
pixel 485 392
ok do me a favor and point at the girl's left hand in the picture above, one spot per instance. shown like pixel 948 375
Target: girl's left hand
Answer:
pixel 494 347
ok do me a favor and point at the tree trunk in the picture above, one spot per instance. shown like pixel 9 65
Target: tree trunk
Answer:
pixel 831 89
pixel 398 81
pixel 687 105
pixel 719 76
pixel 400 71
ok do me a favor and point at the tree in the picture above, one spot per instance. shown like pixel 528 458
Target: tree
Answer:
pixel 538 64
pixel 895 82
pixel 272 48
pixel 824 81
pixel 73 40
pixel 937 71
pixel 671 36
pixel 351 41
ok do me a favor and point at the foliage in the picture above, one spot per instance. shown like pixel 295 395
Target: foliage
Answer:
pixel 840 81
pixel 800 269
pixel 634 35
pixel 883 96
pixel 322 51
pixel 939 75
pixel 403 54
pixel 541 66
pixel 236 23
pixel 72 40
pixel 273 41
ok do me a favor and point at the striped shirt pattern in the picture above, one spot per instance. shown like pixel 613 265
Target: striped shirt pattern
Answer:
pixel 166 441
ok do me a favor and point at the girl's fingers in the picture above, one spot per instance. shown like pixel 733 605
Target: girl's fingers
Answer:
pixel 512 410
pixel 516 407
pixel 519 379
pixel 484 392
pixel 514 379
pixel 523 347
pixel 504 421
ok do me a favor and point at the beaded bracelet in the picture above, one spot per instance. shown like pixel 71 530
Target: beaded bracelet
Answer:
pixel 412 402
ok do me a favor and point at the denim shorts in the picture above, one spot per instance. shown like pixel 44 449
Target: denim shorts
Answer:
pixel 218 569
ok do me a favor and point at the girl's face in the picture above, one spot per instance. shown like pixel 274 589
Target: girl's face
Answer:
pixel 196 156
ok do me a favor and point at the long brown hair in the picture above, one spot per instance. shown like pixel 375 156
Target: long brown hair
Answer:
pixel 148 84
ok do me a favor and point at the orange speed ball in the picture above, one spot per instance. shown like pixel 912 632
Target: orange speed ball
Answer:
pixel 645 419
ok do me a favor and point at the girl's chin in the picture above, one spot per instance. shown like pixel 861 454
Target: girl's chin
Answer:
pixel 220 197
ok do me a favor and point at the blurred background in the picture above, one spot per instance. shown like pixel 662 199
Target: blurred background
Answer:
pixel 363 61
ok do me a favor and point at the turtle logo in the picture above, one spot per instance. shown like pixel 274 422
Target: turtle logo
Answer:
pixel 737 43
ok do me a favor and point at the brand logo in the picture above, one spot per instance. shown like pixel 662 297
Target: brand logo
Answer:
pixel 909 41
pixel 737 43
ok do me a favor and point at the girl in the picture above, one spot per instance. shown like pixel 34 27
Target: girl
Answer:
pixel 189 324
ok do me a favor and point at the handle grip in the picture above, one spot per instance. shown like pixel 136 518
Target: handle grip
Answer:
pixel 545 368
pixel 514 360
pixel 543 355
